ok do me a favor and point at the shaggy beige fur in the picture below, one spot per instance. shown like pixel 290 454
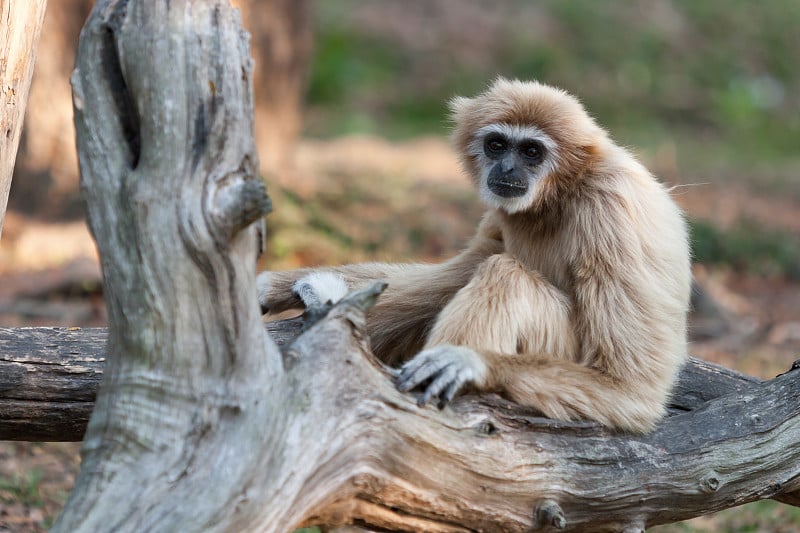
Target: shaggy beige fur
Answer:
pixel 574 303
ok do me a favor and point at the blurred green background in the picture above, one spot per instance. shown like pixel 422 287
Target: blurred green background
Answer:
pixel 705 91
pixel 717 78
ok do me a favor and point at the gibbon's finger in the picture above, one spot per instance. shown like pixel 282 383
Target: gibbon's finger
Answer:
pixel 414 373
pixel 394 372
pixel 451 391
pixel 441 381
pixel 411 380
pixel 411 367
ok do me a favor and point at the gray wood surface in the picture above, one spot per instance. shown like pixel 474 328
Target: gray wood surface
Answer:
pixel 49 378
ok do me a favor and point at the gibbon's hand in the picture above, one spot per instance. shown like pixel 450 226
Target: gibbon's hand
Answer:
pixel 447 367
pixel 320 288
pixel 279 291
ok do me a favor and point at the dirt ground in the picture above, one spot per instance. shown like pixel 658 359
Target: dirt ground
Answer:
pixel 49 275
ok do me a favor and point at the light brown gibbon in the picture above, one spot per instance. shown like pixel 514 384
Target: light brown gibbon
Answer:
pixel 571 298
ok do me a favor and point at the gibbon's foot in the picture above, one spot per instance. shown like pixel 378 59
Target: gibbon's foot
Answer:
pixel 446 368
pixel 320 288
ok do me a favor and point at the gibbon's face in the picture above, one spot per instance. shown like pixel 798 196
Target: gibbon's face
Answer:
pixel 512 161
pixel 523 142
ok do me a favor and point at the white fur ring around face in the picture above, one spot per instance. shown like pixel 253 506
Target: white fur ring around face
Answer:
pixel 447 367
pixel 320 288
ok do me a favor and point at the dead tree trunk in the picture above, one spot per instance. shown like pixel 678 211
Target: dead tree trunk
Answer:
pixel 20 24
pixel 202 424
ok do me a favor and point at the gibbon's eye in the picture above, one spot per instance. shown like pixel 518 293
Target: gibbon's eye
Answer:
pixel 532 151
pixel 495 145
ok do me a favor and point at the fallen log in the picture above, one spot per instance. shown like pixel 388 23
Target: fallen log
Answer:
pixel 49 379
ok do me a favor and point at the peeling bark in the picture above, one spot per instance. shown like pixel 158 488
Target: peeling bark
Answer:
pixel 202 423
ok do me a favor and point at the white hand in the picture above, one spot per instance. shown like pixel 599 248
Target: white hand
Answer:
pixel 447 367
pixel 320 288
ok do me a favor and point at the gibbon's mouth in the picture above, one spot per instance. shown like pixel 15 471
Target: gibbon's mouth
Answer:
pixel 507 188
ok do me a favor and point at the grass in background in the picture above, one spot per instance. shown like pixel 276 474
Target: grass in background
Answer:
pixel 22 488
pixel 757 517
pixel 747 247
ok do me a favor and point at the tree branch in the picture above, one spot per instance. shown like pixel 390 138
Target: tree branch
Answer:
pixel 49 378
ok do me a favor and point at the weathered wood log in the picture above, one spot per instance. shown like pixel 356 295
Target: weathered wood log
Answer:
pixel 49 379
pixel 19 35
pixel 202 424
pixel 49 376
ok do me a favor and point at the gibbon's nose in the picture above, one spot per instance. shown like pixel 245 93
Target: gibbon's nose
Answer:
pixel 507 165
pixel 507 181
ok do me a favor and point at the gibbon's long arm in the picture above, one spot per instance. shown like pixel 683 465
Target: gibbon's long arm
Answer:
pixel 562 390
pixel 399 323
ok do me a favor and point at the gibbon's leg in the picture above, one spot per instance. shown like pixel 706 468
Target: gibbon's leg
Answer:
pixel 505 308
pixel 508 309
pixel 566 390
pixel 509 331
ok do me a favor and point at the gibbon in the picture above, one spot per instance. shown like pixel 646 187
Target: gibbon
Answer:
pixel 572 296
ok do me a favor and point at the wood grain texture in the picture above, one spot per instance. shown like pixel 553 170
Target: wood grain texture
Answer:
pixel 20 26
pixel 163 106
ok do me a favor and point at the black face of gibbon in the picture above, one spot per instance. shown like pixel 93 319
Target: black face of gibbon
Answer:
pixel 512 173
